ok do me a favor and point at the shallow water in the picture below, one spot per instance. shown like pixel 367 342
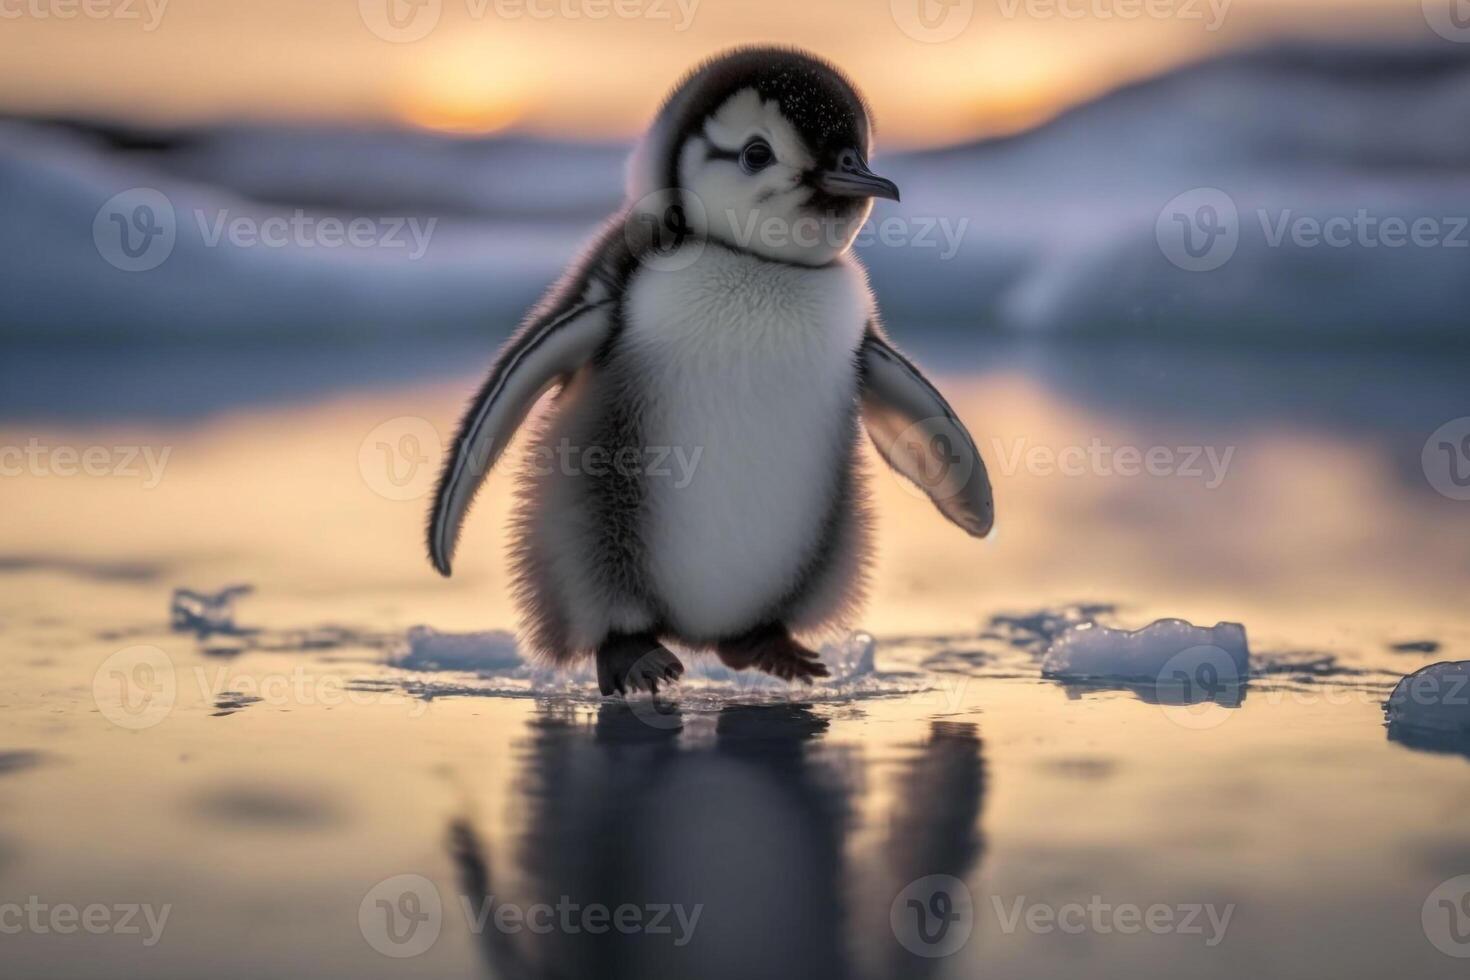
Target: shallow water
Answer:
pixel 266 783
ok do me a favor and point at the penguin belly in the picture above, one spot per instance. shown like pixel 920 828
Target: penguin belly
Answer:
pixel 748 378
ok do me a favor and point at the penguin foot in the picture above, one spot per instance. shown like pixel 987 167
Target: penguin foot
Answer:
pixel 635 663
pixel 773 650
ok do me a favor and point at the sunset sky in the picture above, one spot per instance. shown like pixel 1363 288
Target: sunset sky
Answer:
pixel 940 72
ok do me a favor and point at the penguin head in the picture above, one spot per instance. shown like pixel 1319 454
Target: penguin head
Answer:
pixel 763 150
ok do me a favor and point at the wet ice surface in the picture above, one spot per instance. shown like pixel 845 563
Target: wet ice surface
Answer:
pixel 287 783
pixel 270 766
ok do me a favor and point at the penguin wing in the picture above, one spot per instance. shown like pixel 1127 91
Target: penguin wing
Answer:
pixel 553 342
pixel 919 435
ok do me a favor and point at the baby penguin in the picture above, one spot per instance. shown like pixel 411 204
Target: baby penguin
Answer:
pixel 718 322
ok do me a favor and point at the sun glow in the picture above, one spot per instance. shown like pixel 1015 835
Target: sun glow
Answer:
pixel 467 90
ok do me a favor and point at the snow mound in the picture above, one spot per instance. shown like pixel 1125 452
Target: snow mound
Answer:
pixel 1435 699
pixel 1166 652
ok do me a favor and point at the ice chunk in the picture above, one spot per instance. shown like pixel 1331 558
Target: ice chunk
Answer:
pixel 482 653
pixel 1435 699
pixel 1166 651
pixel 203 613
pixel 855 657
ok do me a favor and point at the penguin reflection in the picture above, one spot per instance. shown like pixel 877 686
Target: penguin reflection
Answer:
pixel 751 830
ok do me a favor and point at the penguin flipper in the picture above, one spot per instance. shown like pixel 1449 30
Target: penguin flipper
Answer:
pixel 919 435
pixel 552 344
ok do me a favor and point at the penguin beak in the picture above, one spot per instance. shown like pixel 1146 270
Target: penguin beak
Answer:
pixel 854 179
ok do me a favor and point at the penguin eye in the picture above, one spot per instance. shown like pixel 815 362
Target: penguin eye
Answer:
pixel 756 156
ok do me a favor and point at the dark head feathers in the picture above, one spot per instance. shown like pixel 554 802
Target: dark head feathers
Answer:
pixel 823 105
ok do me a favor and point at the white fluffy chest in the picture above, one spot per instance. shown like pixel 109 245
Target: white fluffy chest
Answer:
pixel 747 369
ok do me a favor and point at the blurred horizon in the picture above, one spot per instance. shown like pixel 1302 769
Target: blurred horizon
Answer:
pixel 1062 162
pixel 936 74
